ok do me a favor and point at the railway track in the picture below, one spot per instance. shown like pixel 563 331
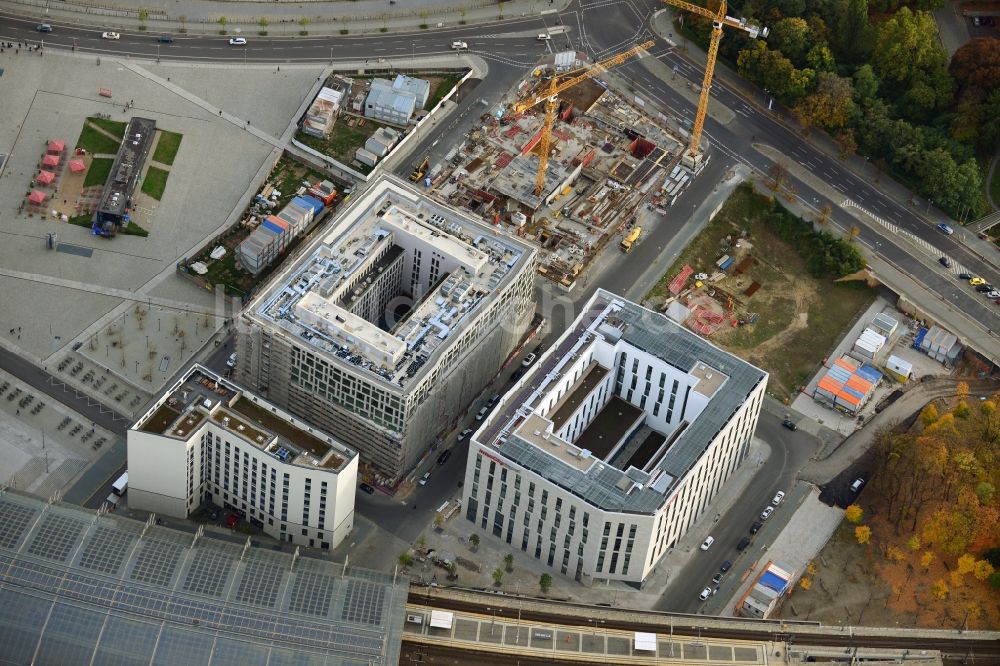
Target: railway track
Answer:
pixel 973 647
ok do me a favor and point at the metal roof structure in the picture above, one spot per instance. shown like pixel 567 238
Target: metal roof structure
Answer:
pixel 84 587
pixel 601 484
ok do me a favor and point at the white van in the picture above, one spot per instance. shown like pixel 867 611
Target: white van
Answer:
pixel 544 37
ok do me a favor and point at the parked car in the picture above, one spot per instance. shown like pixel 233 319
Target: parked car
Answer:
pixel 214 515
pixel 856 486
pixel 756 527
pixel 726 566
pixel 742 545
pixel 443 458
pixel 482 413
pixel 425 478
pixel 494 399
pixel 945 261
pixel 976 281
pixel 465 434
pixel 231 361
pixel 705 594
pixel 237 41
pixel 766 513
pixel 993 294
pixel 983 288
pixel 231 520
pixel 544 37
pixel 165 39
pixel 717 578
pixel 43 27
pixel 529 359
pixel 366 488
pixel 458 46
pixel 778 496
pixel 965 276
pixel 708 543
pixel 945 229
pixel 110 35
pixel 789 424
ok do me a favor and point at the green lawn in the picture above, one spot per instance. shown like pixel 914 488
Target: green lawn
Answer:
pixel 442 88
pixel 155 182
pixel 115 127
pixel 95 141
pixel 800 318
pixel 167 147
pixel 100 169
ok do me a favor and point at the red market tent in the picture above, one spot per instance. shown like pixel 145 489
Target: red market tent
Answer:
pixel 50 160
pixel 37 197
pixel 57 145
pixel 45 177
pixel 76 166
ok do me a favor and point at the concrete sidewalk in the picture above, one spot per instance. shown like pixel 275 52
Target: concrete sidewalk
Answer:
pixel 283 18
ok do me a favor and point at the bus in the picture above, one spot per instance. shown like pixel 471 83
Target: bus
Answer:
pixel 121 485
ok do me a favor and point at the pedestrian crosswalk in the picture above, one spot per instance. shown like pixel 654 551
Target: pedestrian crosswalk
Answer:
pixel 910 237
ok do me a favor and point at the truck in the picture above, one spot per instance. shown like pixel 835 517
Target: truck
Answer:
pixel 630 239
pixel 120 485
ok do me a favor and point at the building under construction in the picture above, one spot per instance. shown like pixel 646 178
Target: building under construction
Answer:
pixel 610 166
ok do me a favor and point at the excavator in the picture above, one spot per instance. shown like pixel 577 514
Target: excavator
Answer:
pixel 420 170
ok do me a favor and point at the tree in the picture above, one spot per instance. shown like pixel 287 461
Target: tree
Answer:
pixel 851 32
pixel 966 564
pixel 774 72
pixel 545 583
pixel 452 571
pixel 508 562
pixel 863 534
pixel 143 17
pixel 405 559
pixel 805 583
pixel 790 36
pixel 927 559
pixel 497 576
pixel 913 543
pixel 438 521
pixel 474 542
pixel 421 542
pixel 929 414
pixel 183 21
pixel 940 589
pixel 263 22
pixel 222 23
pixel 820 59
pixel 906 46
pixel 830 106
pixel 854 514
pixel 303 22
pixel 962 410
pixel 895 554
pixel 976 65
pixel 865 83
pixel 983 570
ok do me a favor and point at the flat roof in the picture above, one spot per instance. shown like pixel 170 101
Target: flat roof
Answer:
pixel 590 378
pixel 611 318
pixel 110 586
pixel 609 426
pixel 202 394
pixel 306 301
pixel 127 166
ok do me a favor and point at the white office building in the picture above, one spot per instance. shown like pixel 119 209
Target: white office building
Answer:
pixel 206 439
pixel 607 451
pixel 390 323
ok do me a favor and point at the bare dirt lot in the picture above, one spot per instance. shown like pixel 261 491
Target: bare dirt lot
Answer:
pixel 796 319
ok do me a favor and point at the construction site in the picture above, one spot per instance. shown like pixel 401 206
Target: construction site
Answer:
pixel 566 163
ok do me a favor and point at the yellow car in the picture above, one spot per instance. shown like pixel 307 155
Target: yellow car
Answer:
pixel 976 281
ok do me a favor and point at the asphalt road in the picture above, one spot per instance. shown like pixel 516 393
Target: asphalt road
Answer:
pixel 790 451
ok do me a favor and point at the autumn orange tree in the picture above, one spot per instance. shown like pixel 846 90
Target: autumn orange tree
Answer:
pixel 936 483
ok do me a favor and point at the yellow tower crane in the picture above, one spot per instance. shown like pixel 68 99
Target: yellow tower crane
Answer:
pixel 719 19
pixel 551 100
